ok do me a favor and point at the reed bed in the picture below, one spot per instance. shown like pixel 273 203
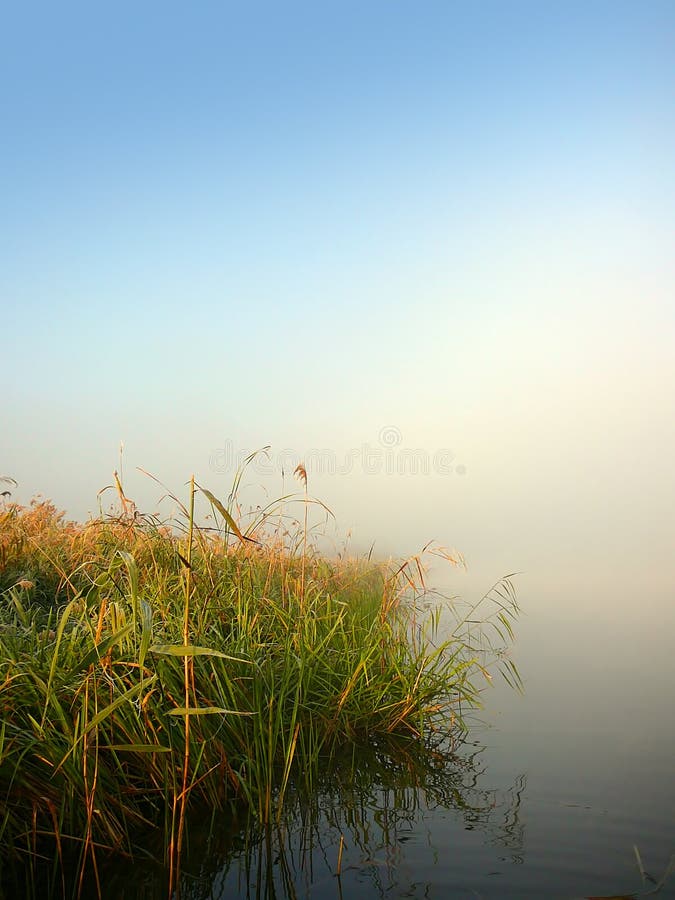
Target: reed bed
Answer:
pixel 147 669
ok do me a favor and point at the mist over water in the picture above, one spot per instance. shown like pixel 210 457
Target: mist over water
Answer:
pixel 549 455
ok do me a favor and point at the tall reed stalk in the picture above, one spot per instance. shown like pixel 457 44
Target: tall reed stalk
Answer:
pixel 301 473
pixel 176 844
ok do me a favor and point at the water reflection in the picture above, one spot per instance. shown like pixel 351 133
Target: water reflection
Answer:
pixel 382 821
pixel 361 831
pixel 365 831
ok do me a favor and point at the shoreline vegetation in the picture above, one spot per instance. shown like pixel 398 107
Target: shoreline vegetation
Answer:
pixel 151 669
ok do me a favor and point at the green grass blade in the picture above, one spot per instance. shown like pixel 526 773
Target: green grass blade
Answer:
pixel 139 748
pixel 193 650
pixel 231 524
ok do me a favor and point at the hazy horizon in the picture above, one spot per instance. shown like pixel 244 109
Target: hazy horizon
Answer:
pixel 437 229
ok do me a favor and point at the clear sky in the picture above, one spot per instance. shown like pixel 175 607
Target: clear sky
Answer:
pixel 434 226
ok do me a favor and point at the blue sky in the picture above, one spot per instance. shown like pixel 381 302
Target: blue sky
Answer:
pixel 299 224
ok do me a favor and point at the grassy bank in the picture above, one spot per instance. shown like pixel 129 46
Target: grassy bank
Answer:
pixel 146 668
